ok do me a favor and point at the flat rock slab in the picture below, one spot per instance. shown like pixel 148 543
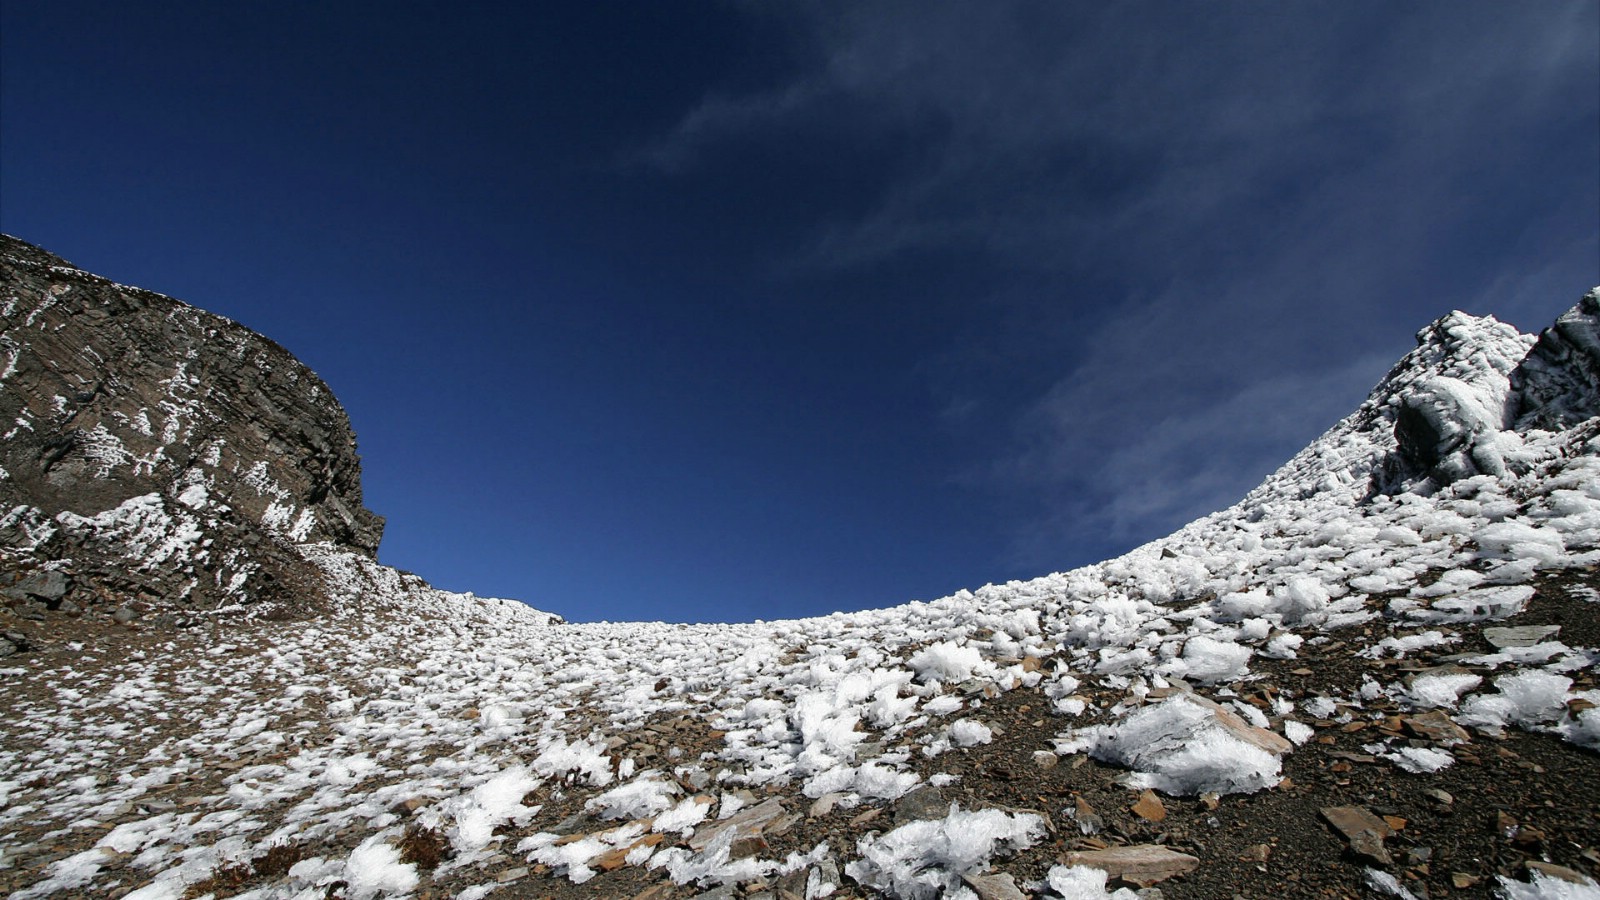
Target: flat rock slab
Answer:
pixel 999 886
pixel 926 803
pixel 1572 876
pixel 1141 864
pixel 1363 830
pixel 1269 741
pixel 1503 638
pixel 746 823
pixel 1437 726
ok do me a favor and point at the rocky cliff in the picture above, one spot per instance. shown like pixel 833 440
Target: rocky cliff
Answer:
pixel 157 456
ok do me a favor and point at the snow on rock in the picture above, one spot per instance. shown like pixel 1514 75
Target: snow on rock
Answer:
pixel 1185 746
pixel 969 733
pixel 496 801
pixel 1084 883
pixel 1420 759
pixel 925 860
pixel 1208 660
pixel 946 661
pixel 644 797
pixel 1443 689
pixel 1530 699
pixel 374 869
pixel 1543 886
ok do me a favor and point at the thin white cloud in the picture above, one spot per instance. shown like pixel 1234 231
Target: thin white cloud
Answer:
pixel 1266 176
pixel 1019 98
pixel 720 117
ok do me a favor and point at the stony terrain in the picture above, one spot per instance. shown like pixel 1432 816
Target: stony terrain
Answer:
pixel 1376 675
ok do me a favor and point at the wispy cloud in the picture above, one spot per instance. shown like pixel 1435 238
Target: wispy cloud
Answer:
pixel 1057 132
pixel 1254 204
pixel 1105 470
pixel 722 116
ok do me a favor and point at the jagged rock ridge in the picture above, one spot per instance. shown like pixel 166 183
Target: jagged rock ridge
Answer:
pixel 159 452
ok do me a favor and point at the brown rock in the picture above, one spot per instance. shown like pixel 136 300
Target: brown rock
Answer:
pixel 1141 864
pixel 998 886
pixel 1437 726
pixel 616 859
pixel 1272 743
pixel 1555 871
pixel 1257 853
pixel 1364 831
pixel 1150 808
pixel 825 804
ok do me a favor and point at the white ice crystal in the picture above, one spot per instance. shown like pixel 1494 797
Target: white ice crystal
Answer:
pixel 924 860
pixel 1179 747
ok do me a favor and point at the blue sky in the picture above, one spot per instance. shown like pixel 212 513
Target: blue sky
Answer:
pixel 714 312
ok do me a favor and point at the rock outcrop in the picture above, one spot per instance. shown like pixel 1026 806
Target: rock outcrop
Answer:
pixel 1558 384
pixel 1463 402
pixel 156 453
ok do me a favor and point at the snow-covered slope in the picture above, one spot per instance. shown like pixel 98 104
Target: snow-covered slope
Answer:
pixel 1307 693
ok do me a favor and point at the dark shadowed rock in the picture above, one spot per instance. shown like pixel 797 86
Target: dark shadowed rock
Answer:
pixel 1558 384
pixel 47 587
pixel 923 804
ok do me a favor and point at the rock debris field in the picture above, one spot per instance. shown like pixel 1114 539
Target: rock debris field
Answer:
pixel 1375 676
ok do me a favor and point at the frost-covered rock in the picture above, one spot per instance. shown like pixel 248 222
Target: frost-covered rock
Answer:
pixel 1449 416
pixel 927 859
pixel 1186 745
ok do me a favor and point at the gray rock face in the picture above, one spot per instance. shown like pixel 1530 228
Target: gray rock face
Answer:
pixel 170 453
pixel 1558 385
pixel 46 587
